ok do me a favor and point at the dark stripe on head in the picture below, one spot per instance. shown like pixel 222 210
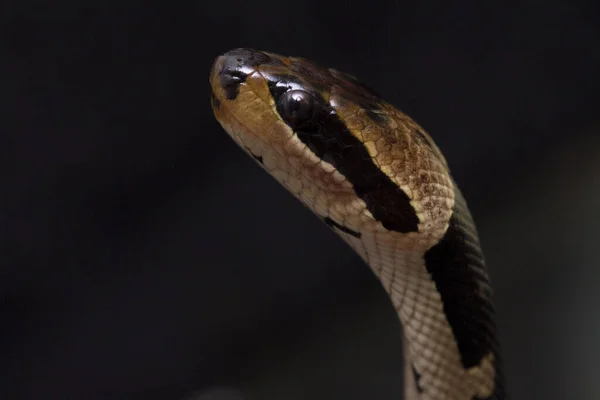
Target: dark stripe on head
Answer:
pixel 456 266
pixel 347 85
pixel 236 66
pixel 342 228
pixel 364 90
pixel 360 94
pixel 328 138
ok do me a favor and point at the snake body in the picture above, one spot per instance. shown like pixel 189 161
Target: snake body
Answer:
pixel 377 179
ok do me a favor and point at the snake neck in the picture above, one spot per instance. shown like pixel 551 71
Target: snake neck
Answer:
pixel 427 333
pixel 442 298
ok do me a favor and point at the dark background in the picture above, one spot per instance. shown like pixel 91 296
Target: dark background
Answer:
pixel 144 256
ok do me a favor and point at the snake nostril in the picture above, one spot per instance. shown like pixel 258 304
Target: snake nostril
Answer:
pixel 230 80
pixel 234 67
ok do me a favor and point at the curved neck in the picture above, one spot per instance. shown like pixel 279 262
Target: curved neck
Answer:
pixel 442 297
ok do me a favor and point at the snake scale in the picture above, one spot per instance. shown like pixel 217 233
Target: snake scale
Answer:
pixel 377 179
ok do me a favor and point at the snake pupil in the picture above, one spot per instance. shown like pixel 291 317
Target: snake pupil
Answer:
pixel 296 107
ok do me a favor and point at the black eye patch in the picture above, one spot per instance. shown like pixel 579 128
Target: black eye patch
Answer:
pixel 319 127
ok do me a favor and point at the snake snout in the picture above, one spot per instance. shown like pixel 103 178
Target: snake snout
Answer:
pixel 231 69
pixel 228 72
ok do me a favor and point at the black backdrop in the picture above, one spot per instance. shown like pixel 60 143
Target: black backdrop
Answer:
pixel 144 256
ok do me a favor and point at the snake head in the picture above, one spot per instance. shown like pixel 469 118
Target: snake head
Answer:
pixel 334 143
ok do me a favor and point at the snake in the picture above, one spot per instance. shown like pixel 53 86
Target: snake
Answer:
pixel 376 178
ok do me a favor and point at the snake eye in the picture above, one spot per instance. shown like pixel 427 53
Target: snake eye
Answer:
pixel 296 107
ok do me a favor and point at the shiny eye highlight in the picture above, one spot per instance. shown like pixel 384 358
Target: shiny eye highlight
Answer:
pixel 296 107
